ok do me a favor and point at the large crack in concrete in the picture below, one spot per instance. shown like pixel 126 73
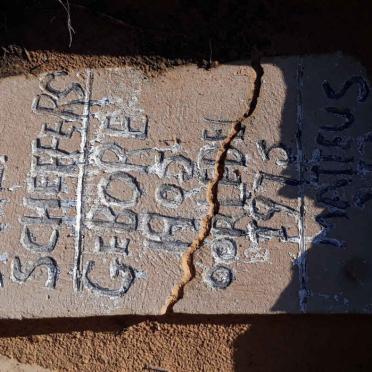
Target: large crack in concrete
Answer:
pixel 187 259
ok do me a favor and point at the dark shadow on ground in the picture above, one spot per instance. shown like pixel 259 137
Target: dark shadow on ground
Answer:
pixel 305 343
pixel 161 33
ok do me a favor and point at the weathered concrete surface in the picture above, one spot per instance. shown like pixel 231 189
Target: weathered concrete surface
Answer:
pixel 110 180
pixel 106 177
pixel 300 241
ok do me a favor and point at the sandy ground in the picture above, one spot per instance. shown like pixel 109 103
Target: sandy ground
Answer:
pixel 155 36
pixel 11 365
pixel 193 343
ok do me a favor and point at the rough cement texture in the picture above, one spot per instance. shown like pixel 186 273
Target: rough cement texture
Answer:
pixel 109 184
pixel 302 220
pixel 252 177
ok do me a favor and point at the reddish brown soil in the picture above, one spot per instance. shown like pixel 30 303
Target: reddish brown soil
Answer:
pixel 193 343
pixel 155 35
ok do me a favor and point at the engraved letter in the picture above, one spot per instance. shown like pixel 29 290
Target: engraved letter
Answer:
pixel 28 241
pixel 21 276
pixel 363 89
pixel 117 269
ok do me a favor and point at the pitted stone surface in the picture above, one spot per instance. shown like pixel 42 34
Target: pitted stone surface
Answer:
pixel 104 175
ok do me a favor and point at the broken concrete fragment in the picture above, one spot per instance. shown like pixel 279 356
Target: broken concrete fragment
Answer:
pixel 105 180
pixel 295 236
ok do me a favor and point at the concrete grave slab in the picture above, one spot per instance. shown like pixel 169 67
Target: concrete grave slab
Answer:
pixel 108 177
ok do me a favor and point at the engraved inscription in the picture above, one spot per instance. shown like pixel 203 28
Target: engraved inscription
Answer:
pixel 115 200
